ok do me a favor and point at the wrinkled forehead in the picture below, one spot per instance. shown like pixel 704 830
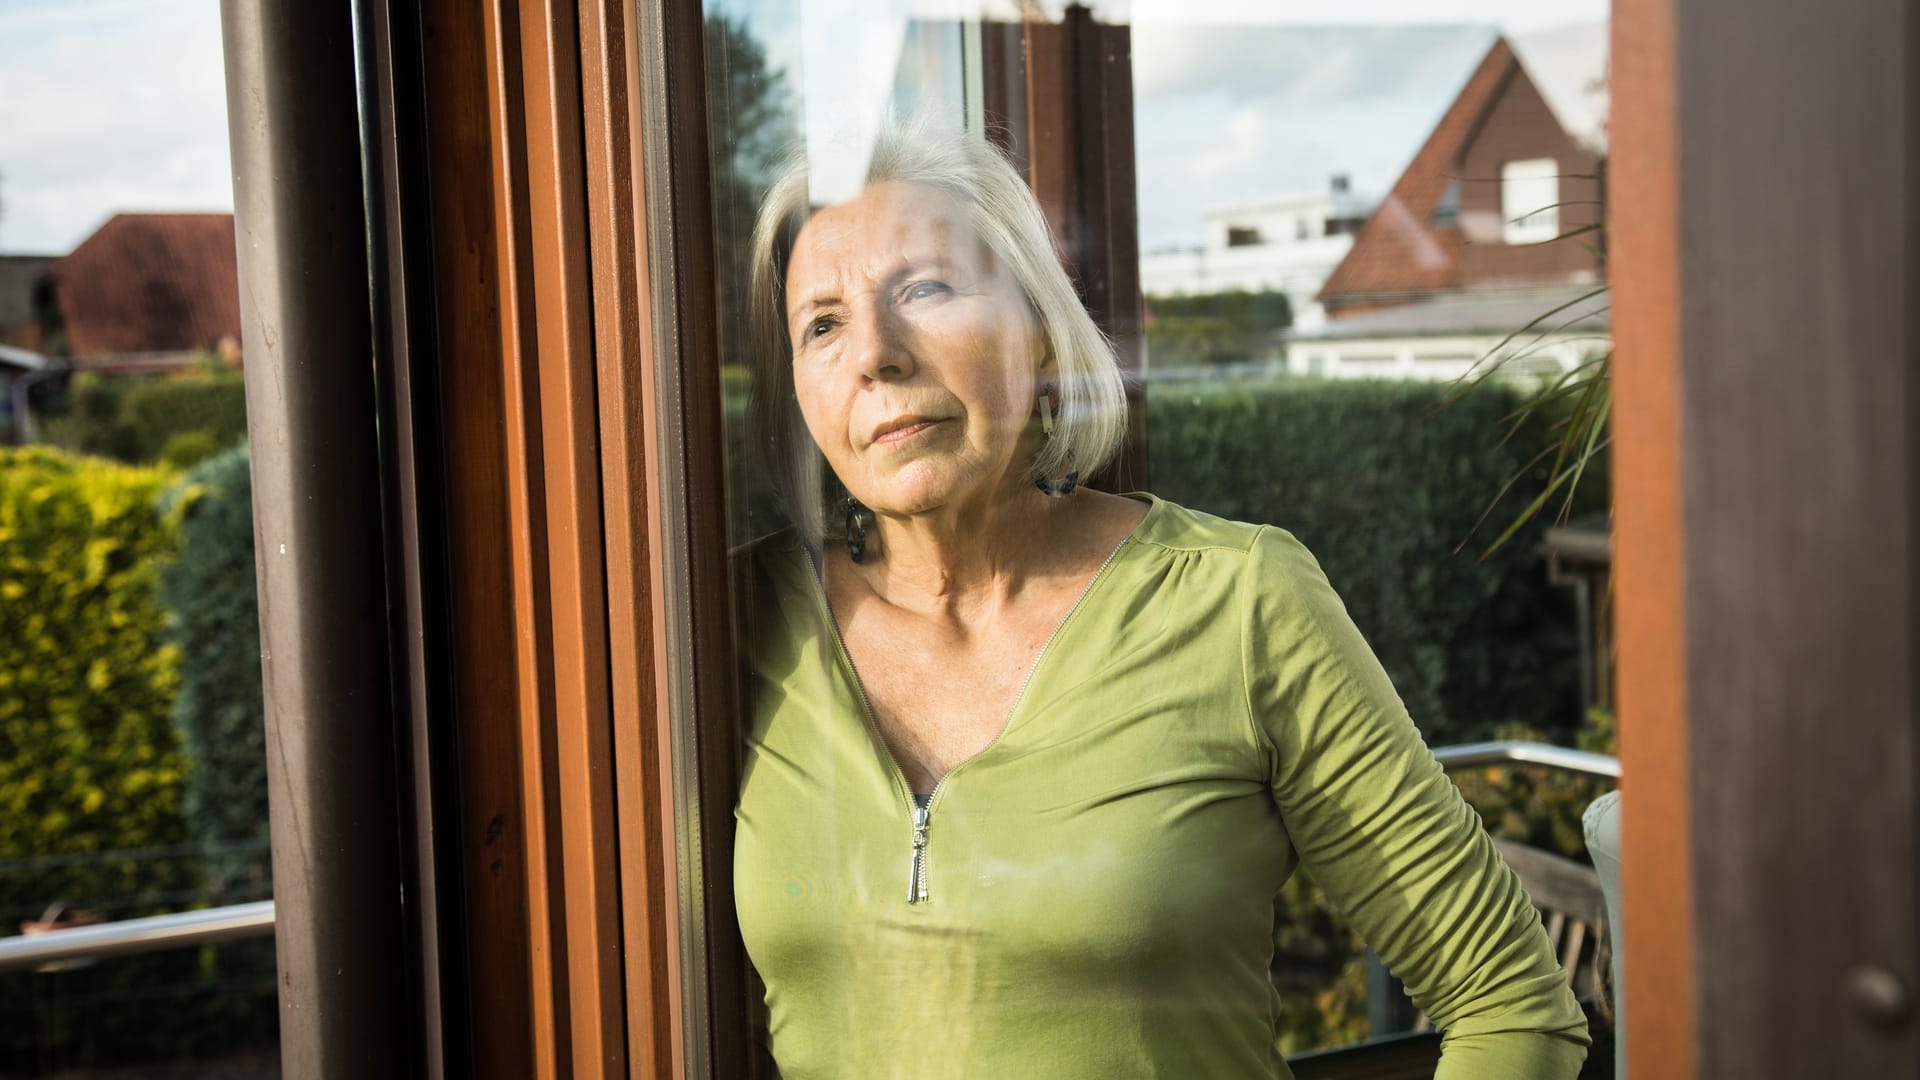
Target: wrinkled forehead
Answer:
pixel 887 226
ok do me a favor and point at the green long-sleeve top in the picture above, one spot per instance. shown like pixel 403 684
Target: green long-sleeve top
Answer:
pixel 1094 895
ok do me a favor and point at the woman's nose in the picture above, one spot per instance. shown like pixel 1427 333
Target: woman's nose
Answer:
pixel 880 348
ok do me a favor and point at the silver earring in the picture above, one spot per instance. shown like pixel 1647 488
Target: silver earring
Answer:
pixel 1066 484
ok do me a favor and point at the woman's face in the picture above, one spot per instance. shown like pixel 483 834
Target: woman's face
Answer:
pixel 914 351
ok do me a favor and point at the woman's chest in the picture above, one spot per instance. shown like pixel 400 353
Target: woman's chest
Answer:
pixel 936 701
pixel 1113 777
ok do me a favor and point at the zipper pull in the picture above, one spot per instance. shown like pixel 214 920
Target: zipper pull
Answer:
pixel 917 870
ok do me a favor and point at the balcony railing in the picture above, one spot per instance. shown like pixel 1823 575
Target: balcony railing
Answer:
pixel 1390 1056
pixel 129 936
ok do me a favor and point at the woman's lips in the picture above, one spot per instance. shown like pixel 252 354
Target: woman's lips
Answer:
pixel 904 432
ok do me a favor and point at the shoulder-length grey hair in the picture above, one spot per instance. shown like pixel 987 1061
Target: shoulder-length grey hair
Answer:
pixel 1092 409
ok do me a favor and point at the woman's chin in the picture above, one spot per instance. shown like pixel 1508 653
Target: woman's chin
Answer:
pixel 921 489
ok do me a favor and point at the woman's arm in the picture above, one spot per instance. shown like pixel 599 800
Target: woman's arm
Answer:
pixel 1388 836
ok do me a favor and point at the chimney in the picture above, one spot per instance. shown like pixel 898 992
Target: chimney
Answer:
pixel 1341 183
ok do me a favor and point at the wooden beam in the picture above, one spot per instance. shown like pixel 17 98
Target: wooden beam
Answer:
pixel 1795 220
pixel 623 352
pixel 1649 546
pixel 576 725
pixel 1059 102
pixel 695 664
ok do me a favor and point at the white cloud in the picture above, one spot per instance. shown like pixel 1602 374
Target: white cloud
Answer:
pixel 1514 16
pixel 108 105
pixel 1352 100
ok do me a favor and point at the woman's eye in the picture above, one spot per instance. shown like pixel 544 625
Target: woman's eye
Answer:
pixel 920 290
pixel 818 328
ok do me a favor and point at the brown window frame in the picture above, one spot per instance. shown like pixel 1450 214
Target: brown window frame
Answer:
pixel 513 743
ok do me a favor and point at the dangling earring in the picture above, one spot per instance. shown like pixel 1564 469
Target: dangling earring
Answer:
pixel 856 530
pixel 1066 484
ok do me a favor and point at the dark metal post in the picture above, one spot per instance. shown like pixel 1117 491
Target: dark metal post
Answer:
pixel 301 228
pixel 1389 1010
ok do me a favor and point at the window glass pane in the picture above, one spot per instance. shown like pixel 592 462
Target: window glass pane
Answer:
pixel 1037 769
pixel 132 766
pixel 1529 200
pixel 1431 141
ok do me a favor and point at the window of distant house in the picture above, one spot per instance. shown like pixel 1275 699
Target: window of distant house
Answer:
pixel 1447 210
pixel 1242 236
pixel 1529 194
pixel 1301 230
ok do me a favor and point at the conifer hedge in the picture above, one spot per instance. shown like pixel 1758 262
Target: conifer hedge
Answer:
pixel 94 779
pixel 1382 485
pixel 147 418
pixel 209 588
pixel 89 761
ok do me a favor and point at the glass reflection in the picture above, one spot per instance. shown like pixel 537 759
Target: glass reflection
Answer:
pixel 132 761
pixel 955 641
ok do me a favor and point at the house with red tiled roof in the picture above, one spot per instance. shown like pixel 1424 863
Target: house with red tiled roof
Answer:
pixel 24 297
pixel 1490 230
pixel 145 288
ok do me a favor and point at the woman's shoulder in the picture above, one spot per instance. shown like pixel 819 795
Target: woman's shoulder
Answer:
pixel 1180 528
pixel 1267 563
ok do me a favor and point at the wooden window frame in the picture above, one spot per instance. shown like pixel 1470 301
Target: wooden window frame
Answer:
pixel 1765 533
pixel 553 528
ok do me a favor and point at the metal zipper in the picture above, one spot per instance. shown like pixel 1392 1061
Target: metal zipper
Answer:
pixel 917 866
pixel 922 817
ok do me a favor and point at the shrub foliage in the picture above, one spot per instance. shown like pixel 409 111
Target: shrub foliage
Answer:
pixel 1214 328
pixel 145 419
pixel 209 589
pixel 88 757
pixel 1382 487
pixel 93 778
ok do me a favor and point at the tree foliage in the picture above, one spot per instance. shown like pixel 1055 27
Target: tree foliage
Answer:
pixel 1215 328
pixel 148 419
pixel 752 126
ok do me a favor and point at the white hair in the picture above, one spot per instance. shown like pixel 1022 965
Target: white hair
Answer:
pixel 1091 413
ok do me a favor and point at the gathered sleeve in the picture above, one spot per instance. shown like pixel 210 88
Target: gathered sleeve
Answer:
pixel 1383 830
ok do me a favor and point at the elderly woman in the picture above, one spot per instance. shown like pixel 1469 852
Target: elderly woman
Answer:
pixel 1029 762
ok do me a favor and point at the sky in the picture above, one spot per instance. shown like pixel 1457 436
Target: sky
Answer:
pixel 112 105
pixel 1236 101
pixel 1229 115
pixel 107 105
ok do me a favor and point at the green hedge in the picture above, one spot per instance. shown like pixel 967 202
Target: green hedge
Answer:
pixel 144 419
pixel 216 622
pixel 1214 328
pixel 1382 487
pixel 93 779
pixel 88 757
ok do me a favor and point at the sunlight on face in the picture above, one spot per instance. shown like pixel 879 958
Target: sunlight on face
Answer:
pixel 915 354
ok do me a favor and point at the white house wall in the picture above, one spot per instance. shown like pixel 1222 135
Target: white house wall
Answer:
pixel 1298 268
pixel 1439 359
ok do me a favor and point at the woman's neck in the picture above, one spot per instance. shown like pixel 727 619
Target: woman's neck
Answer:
pixel 954 560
